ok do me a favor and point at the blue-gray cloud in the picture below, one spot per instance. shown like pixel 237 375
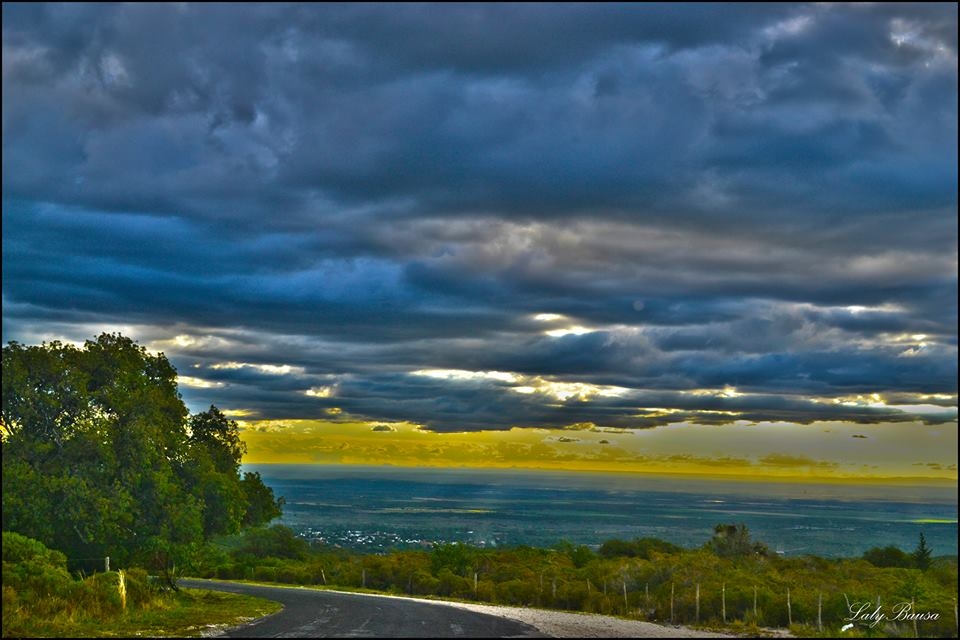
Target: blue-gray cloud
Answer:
pixel 761 198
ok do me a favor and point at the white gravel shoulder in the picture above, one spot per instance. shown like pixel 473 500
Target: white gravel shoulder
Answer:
pixel 562 624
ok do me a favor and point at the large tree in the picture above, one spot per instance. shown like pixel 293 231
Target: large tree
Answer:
pixel 100 458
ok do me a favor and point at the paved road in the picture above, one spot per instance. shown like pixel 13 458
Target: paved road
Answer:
pixel 311 613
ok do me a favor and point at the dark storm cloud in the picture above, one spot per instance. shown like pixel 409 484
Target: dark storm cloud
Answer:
pixel 761 197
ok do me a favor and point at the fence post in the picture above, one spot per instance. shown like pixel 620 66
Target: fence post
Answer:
pixel 756 618
pixel 697 616
pixel 789 610
pixel 106 563
pixel 723 602
pixel 626 606
pixel 671 603
pixel 819 611
pixel 916 634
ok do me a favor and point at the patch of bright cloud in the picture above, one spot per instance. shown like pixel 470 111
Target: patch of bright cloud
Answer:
pixel 460 374
pixel 548 317
pixel 576 330
pixel 326 391
pixel 238 413
pixel 198 383
pixel 270 369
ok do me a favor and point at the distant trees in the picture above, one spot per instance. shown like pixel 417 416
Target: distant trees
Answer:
pixel 733 541
pixel 261 505
pixel 811 595
pixel 100 457
pixel 638 548
pixel 921 556
pixel 891 556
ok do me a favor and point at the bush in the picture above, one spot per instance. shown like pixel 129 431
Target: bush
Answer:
pixel 32 569
pixel 889 556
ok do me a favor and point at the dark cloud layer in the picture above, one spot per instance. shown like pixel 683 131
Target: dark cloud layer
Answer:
pixel 733 212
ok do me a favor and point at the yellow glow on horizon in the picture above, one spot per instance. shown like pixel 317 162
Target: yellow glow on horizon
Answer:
pixel 740 450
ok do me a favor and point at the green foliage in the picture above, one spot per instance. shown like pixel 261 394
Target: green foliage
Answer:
pixel 33 570
pixel 40 599
pixel 580 555
pixel 261 505
pixel 733 541
pixel 889 556
pixel 751 588
pixel 99 458
pixel 638 548
pixel 277 541
pixel 921 556
pixel 459 559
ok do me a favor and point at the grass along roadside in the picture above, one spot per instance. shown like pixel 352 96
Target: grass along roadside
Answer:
pixel 42 599
pixel 186 613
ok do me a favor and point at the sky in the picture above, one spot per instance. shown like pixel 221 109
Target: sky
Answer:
pixel 657 237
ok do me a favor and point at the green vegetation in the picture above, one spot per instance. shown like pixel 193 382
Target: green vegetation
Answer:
pixel 742 586
pixel 101 459
pixel 40 598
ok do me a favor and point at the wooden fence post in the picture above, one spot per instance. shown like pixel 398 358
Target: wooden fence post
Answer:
pixel 697 615
pixel 106 563
pixel 916 634
pixel 723 602
pixel 820 611
pixel 789 610
pixel 756 618
pixel 626 606
pixel 671 603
